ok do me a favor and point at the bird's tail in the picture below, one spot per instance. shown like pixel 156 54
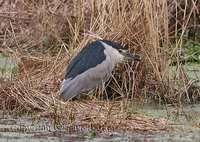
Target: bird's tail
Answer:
pixel 67 90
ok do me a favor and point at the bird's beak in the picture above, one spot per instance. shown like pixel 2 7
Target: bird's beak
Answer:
pixel 129 56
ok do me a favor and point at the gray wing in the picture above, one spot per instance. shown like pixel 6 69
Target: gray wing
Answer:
pixel 88 80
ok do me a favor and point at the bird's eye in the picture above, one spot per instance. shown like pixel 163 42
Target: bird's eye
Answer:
pixel 120 51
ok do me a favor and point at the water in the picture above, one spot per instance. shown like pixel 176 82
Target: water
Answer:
pixel 183 127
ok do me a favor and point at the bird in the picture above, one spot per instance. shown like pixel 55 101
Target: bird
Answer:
pixel 92 66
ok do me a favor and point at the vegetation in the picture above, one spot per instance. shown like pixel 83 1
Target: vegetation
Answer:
pixel 192 50
pixel 42 36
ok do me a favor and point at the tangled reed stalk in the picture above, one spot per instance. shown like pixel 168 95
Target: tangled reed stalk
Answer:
pixel 42 36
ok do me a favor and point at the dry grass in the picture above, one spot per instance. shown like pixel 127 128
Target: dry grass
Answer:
pixel 44 35
pixel 101 116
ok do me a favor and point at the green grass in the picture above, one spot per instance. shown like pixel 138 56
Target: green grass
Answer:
pixel 192 51
pixel 192 70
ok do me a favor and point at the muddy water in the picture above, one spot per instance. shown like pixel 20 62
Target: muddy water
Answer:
pixel 184 126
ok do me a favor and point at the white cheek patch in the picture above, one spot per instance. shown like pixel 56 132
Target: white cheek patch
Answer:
pixel 113 53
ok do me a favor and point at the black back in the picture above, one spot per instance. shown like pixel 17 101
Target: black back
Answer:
pixel 89 57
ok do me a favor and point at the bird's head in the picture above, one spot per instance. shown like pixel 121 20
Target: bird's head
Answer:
pixel 118 52
pixel 127 55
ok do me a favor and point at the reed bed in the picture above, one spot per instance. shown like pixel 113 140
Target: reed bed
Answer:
pixel 42 36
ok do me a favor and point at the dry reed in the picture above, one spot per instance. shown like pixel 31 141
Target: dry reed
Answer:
pixel 44 35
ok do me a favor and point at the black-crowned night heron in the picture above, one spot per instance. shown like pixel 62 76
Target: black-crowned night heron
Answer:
pixel 92 66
